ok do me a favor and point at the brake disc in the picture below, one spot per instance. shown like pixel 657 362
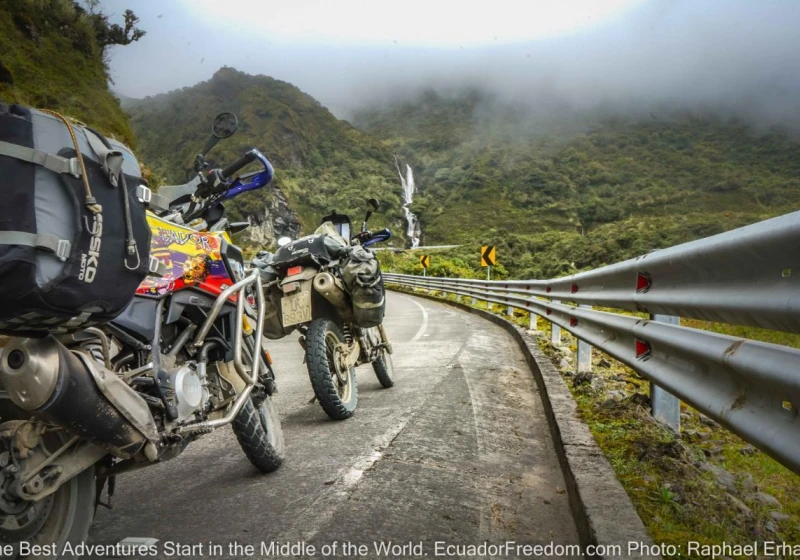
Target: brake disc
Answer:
pixel 20 520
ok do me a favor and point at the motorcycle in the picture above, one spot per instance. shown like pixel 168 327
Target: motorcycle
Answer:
pixel 183 359
pixel 308 281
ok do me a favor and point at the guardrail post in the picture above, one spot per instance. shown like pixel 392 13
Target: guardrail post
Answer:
pixel 665 406
pixel 584 352
pixel 555 331
pixel 474 302
pixel 534 321
pixel 510 311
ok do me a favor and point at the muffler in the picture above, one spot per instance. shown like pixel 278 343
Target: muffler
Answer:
pixel 71 390
pixel 331 289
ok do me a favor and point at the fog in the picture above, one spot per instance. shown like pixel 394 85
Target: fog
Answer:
pixel 737 57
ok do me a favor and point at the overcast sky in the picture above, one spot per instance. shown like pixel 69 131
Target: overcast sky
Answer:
pixel 727 55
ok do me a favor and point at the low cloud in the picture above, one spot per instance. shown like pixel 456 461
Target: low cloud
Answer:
pixel 730 57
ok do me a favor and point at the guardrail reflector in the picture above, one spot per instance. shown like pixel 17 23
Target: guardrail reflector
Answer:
pixel 643 283
pixel 643 350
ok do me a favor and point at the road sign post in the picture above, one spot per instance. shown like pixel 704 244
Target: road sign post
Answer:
pixel 555 331
pixel 666 407
pixel 488 259
pixel 584 352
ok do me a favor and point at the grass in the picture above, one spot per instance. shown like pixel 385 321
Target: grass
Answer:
pixel 54 63
pixel 667 477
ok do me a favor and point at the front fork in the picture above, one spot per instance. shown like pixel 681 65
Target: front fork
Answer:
pixel 385 338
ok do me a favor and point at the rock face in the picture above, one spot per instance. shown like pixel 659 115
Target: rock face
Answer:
pixel 278 220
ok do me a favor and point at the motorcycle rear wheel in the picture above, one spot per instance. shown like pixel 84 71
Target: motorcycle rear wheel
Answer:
pixel 63 517
pixel 337 392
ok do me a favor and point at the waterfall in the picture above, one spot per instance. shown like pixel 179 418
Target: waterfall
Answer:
pixel 413 229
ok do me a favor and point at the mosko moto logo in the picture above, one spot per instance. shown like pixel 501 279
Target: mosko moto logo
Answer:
pixel 90 261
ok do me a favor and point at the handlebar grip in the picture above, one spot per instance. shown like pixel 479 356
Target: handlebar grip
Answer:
pixel 238 164
pixel 378 237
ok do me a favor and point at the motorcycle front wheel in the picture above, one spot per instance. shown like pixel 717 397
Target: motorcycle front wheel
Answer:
pixel 260 436
pixel 257 426
pixel 384 369
pixel 336 389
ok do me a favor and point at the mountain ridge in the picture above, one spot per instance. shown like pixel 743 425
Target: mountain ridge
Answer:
pixel 322 163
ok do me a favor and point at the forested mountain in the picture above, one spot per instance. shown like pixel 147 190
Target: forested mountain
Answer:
pixel 558 192
pixel 321 162
pixel 555 191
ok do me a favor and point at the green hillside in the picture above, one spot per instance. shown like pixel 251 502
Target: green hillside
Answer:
pixel 321 163
pixel 51 57
pixel 557 193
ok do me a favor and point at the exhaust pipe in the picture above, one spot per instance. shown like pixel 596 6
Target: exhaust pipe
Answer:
pixel 331 289
pixel 71 390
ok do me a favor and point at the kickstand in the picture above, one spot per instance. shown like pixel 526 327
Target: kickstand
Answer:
pixel 111 480
pixel 312 399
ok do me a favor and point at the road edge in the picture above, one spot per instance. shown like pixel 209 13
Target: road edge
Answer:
pixel 603 512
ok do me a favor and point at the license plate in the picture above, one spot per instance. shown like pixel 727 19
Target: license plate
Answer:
pixel 296 308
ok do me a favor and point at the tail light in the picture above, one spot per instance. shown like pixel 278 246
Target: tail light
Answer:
pixel 294 270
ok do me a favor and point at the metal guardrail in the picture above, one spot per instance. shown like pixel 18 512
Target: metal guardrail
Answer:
pixel 749 276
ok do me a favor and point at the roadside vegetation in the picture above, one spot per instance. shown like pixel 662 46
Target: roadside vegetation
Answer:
pixel 53 56
pixel 707 485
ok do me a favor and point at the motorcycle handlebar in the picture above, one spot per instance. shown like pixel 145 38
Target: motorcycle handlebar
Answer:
pixel 378 237
pixel 249 157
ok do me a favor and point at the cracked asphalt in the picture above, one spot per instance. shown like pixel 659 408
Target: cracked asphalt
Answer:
pixel 457 452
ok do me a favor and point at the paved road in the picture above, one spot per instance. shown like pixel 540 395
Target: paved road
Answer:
pixel 458 451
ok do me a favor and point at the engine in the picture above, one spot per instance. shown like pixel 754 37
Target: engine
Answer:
pixel 191 392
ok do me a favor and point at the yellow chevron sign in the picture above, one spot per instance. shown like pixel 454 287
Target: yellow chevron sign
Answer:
pixel 488 255
pixel 425 261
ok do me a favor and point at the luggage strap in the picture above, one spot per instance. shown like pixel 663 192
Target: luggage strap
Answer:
pixel 110 159
pixel 43 241
pixel 52 162
pixel 157 267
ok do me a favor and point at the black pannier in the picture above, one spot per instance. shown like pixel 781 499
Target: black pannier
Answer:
pixel 363 280
pixel 74 239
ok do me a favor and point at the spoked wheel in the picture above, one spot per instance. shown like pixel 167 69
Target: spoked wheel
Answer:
pixel 334 384
pixel 64 516
pixel 384 369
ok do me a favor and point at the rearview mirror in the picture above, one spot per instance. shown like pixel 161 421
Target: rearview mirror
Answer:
pixel 372 206
pixel 225 124
pixel 283 241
